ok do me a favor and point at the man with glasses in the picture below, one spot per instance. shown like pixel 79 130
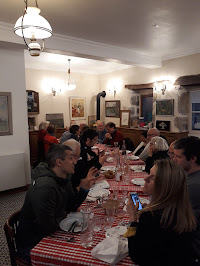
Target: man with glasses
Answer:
pixel 187 155
pixel 152 132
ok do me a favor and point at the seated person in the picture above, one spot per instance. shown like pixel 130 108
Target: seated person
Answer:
pixel 101 131
pixel 158 149
pixel 113 135
pixel 49 198
pixel 152 132
pixel 171 150
pixel 49 138
pixel 162 235
pixel 88 158
pixel 144 140
pixel 73 133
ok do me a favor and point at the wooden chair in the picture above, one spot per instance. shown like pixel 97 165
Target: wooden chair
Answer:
pixel 10 228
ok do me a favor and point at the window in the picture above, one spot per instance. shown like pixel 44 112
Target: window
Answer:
pixel 195 110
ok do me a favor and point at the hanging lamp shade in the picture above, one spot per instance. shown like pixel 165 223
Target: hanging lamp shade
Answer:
pixel 33 25
pixel 70 83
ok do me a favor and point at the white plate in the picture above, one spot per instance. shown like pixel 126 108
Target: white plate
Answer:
pixel 98 193
pixel 133 158
pixel 106 168
pixel 66 223
pixel 136 168
pixel 109 160
pixel 94 147
pixel 117 231
pixel 138 181
pixel 142 200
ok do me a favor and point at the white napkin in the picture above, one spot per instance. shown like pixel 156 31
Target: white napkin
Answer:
pixel 111 250
pixel 109 160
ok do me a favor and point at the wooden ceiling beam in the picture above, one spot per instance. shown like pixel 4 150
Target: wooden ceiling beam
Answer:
pixel 140 86
pixel 188 80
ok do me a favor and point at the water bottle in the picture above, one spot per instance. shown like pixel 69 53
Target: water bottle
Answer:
pixel 124 148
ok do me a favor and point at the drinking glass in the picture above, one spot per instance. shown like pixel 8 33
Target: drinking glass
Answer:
pixel 110 217
pixel 115 144
pixel 86 237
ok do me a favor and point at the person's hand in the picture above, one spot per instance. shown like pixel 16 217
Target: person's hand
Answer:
pixel 132 209
pixel 103 158
pixel 108 136
pixel 90 179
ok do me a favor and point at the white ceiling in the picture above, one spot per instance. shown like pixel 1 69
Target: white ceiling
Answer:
pixel 127 24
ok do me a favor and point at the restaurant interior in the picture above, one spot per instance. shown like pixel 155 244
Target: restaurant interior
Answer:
pixel 143 54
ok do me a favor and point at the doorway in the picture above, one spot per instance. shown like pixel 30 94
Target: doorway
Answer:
pixel 146 107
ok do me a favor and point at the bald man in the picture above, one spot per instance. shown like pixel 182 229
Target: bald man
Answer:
pixel 152 132
pixel 101 131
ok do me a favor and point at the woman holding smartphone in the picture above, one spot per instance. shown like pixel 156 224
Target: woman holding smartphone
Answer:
pixel 160 233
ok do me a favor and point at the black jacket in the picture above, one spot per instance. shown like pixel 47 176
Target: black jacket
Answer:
pixel 155 156
pixel 48 200
pixel 83 165
pixel 156 246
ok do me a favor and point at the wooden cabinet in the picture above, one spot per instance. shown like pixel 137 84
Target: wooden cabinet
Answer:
pixel 33 143
pixel 134 134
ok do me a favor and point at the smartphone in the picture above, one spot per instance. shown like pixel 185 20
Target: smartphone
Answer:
pixel 135 198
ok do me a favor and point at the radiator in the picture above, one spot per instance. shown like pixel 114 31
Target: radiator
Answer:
pixel 12 171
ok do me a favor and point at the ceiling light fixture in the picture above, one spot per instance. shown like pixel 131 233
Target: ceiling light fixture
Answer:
pixel 32 26
pixel 70 83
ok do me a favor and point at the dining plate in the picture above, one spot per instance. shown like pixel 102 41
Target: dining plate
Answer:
pixel 66 223
pixel 133 158
pixel 94 147
pixel 138 181
pixel 98 193
pixel 142 200
pixel 116 231
pixel 137 168
pixel 106 168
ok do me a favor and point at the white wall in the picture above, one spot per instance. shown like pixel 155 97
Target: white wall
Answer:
pixel 40 81
pixel 12 77
pixel 171 70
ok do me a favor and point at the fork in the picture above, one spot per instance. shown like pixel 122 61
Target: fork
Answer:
pixel 68 239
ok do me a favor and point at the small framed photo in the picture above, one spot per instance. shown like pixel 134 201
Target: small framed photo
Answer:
pixel 163 125
pixel 112 108
pixel 165 107
pixel 77 108
pixel 6 126
pixel 125 118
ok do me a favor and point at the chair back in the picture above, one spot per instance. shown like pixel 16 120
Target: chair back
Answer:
pixel 10 229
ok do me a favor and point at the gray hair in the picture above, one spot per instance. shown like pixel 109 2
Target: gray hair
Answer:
pixel 44 125
pixel 72 143
pixel 159 144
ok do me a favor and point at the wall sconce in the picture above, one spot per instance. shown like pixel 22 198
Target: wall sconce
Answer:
pixel 55 91
pixel 161 86
pixel 113 90
pixel 32 26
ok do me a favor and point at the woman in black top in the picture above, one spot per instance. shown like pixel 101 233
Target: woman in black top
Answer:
pixel 162 236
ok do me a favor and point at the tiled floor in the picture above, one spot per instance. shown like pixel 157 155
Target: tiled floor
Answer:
pixel 9 202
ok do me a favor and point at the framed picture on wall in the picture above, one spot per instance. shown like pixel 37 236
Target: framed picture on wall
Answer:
pixel 112 108
pixel 56 119
pixel 32 102
pixel 77 108
pixel 6 127
pixel 165 107
pixel 163 125
pixel 125 118
pixel 91 120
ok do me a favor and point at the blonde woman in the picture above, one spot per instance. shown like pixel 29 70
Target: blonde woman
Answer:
pixel 158 149
pixel 162 236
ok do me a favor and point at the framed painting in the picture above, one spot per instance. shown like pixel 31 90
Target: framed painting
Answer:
pixel 165 107
pixel 112 108
pixel 163 125
pixel 6 127
pixel 91 120
pixel 32 102
pixel 56 120
pixel 125 118
pixel 77 108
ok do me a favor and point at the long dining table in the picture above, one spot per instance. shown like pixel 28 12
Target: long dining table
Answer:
pixel 57 250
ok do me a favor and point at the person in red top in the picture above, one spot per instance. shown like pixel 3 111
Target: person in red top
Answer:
pixel 49 138
pixel 113 135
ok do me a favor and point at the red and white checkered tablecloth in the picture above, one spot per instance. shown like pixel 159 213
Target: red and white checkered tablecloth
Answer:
pixel 57 251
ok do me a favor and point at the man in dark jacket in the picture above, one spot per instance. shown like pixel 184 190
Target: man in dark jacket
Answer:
pixel 113 135
pixel 49 198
